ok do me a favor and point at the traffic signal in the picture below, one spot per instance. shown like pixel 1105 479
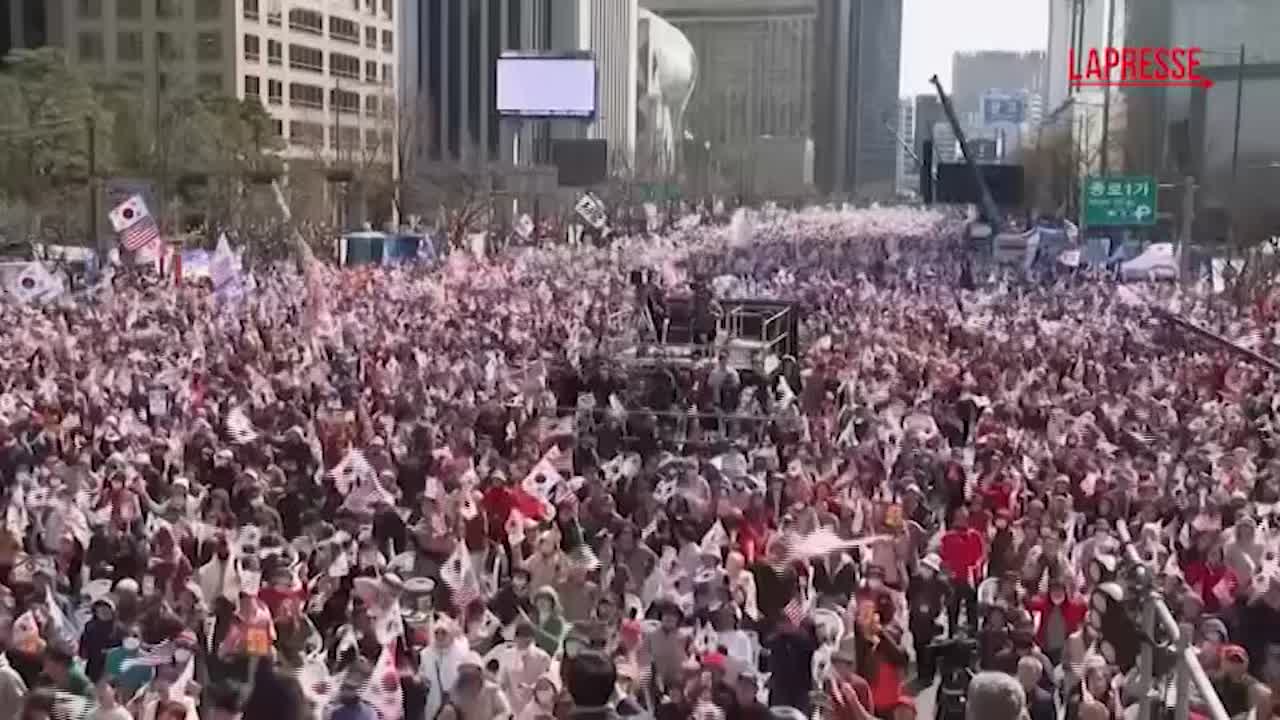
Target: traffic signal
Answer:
pixel 1119 638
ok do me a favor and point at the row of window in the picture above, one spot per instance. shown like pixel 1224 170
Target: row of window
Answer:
pixel 163 9
pixel 311 59
pixel 340 28
pixel 312 135
pixel 205 81
pixel 253 8
pixel 129 43
pixel 313 96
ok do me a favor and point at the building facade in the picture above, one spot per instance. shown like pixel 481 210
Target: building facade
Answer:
pixel 23 24
pixel 325 70
pixel 613 42
pixel 450 57
pixel 908 176
pixel 857 55
pixel 754 80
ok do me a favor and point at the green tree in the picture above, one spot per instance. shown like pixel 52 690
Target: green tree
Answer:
pixel 45 110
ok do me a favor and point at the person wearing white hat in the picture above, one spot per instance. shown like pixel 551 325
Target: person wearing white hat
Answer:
pixel 476 696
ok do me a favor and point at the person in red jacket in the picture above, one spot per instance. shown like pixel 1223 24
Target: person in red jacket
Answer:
pixel 963 551
pixel 1059 612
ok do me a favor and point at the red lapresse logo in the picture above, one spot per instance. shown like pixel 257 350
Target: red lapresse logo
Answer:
pixel 1136 67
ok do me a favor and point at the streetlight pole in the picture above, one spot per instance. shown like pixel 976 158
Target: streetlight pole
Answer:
pixel 91 129
pixel 1106 93
pixel 1235 143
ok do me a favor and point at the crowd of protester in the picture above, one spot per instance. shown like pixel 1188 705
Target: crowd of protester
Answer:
pixel 439 493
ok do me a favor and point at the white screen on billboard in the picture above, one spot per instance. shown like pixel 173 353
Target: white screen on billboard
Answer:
pixel 547 87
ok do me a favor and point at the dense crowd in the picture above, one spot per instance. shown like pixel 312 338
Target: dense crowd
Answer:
pixel 420 494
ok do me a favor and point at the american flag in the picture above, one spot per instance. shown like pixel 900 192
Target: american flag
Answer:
pixel 796 610
pixel 134 223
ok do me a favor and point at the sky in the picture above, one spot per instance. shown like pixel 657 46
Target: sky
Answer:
pixel 933 30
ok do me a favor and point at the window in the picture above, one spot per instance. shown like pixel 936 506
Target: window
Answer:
pixel 275 51
pixel 386 73
pixel 277 127
pixel 306 133
pixel 252 48
pixel 388 45
pixel 345 101
pixel 371 38
pixel 273 12
pixel 275 89
pixel 371 140
pixel 308 21
pixel 386 9
pixel 209 82
pixel 307 96
pixel 371 106
pixel 90 9
pixel 129 46
pixel 168 9
pixel 302 57
pixel 90 46
pixel 251 9
pixel 167 48
pixel 371 6
pixel 349 137
pixel 209 46
pixel 208 9
pixel 344 66
pixel 344 29
pixel 134 79
pixel 252 86
pixel 370 71
pixel 128 9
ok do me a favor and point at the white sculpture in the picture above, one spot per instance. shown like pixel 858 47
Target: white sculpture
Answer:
pixel 668 71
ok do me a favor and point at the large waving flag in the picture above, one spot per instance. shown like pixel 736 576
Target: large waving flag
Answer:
pixel 134 224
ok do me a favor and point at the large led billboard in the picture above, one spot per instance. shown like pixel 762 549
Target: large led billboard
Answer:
pixel 547 86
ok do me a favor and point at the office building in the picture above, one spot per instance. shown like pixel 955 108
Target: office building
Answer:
pixel 857 54
pixel 928 113
pixel 754 79
pixel 613 43
pixel 975 74
pixel 325 71
pixel 946 147
pixel 908 175
pixel 23 24
pixel 450 56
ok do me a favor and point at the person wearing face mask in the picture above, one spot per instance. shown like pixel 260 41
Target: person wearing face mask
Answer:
pixel 548 623
pixel 217 578
pixel 523 666
pixel 1060 613
pixel 100 634
pixel 438 663
pixel 542 705
pixel 476 696
pixel 127 679
pixel 927 595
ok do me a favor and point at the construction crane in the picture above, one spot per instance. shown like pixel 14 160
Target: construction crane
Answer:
pixel 988 204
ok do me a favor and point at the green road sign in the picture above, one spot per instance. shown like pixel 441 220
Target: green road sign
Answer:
pixel 659 192
pixel 1119 200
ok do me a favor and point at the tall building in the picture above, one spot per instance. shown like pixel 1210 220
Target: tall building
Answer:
pixel 974 74
pixel 613 42
pixel 1073 25
pixel 857 54
pixel 325 71
pixel 754 78
pixel 450 57
pixel 928 111
pixel 23 24
pixel 908 176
